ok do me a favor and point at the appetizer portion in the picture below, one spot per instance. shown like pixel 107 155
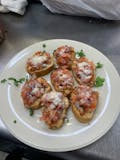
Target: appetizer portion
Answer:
pixel 62 80
pixel 54 111
pixel 84 101
pixel 33 90
pixel 41 63
pixel 84 71
pixel 64 56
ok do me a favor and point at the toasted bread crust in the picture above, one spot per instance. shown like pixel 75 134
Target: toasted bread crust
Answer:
pixel 87 115
pixel 40 72
pixel 60 122
pixel 49 114
pixel 64 90
pixel 82 118
pixel 92 80
pixel 36 103
pixel 69 64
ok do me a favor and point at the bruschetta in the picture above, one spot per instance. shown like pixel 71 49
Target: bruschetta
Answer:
pixel 33 90
pixel 84 101
pixel 62 80
pixel 41 63
pixel 55 107
pixel 84 71
pixel 64 56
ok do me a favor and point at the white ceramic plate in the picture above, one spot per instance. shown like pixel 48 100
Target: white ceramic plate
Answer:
pixel 72 135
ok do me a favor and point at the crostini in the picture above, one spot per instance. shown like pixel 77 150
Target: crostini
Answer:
pixel 64 56
pixel 84 101
pixel 84 71
pixel 41 63
pixel 55 107
pixel 32 92
pixel 62 80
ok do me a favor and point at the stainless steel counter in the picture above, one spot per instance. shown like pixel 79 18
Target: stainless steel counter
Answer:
pixel 39 24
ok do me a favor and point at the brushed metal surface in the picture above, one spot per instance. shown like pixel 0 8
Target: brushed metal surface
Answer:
pixel 39 24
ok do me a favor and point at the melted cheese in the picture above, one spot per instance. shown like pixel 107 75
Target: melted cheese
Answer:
pixel 38 60
pixel 84 71
pixel 54 97
pixel 84 76
pixel 62 51
pixel 65 78
pixel 35 90
pixel 62 76
pixel 82 65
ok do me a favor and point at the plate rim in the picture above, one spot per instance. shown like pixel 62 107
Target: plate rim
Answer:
pixel 71 148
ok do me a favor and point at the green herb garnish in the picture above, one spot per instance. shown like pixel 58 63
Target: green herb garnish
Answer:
pixel 3 80
pixel 21 80
pixel 44 51
pixel 31 112
pixel 99 81
pixel 14 121
pixel 11 78
pixel 15 81
pixel 54 50
pixel 99 65
pixel 80 54
pixel 44 45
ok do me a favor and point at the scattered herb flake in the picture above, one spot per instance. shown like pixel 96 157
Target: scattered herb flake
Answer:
pixel 99 65
pixel 3 80
pixel 54 50
pixel 80 54
pixel 21 80
pixel 14 121
pixel 11 78
pixel 31 112
pixel 44 45
pixel 99 81
pixel 44 51
pixel 15 81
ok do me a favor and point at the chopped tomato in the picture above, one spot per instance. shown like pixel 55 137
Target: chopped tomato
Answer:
pixel 84 97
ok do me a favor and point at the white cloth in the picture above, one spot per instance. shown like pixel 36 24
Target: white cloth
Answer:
pixel 108 9
pixel 17 6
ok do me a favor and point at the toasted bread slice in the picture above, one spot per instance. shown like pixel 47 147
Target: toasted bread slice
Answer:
pixel 84 102
pixel 55 107
pixel 86 118
pixel 84 71
pixel 64 56
pixel 40 64
pixel 62 80
pixel 33 90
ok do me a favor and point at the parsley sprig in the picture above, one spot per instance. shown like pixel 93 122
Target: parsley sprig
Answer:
pixel 80 54
pixel 44 45
pixel 3 80
pixel 15 81
pixel 99 65
pixel 99 81
pixel 14 121
pixel 31 112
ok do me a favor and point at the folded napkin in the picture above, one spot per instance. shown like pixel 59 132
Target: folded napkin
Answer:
pixel 17 6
